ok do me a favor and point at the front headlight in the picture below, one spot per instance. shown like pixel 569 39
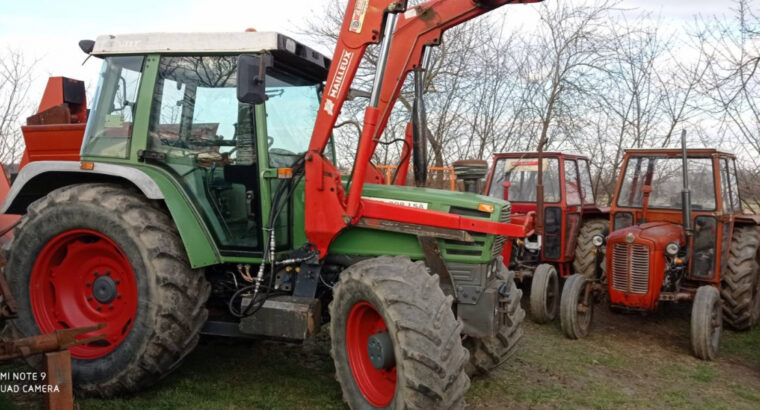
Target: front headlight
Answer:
pixel 672 249
pixel 597 240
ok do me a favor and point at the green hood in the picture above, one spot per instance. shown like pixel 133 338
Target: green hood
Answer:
pixel 366 242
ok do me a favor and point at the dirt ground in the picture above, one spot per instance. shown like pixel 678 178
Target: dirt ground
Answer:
pixel 629 361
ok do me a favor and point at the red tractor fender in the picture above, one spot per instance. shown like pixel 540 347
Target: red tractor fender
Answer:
pixel 748 219
pixel 596 210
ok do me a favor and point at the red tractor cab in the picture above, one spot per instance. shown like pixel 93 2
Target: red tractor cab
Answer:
pixel 571 218
pixel 672 243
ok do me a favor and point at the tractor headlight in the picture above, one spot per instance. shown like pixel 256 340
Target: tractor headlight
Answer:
pixel 672 249
pixel 597 240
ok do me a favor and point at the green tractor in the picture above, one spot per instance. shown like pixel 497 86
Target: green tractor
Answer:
pixel 199 200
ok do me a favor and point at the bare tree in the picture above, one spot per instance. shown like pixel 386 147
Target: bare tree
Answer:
pixel 569 47
pixel 733 85
pixel 630 96
pixel 15 80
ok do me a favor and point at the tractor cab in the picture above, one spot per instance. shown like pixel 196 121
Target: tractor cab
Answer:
pixel 167 101
pixel 570 218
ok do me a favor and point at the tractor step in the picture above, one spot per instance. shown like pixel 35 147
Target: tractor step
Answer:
pixel 283 317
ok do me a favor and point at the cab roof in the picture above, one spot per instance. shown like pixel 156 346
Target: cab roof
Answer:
pixel 284 48
pixel 183 43
pixel 535 154
pixel 700 152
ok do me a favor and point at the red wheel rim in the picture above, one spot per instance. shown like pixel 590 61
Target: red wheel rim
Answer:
pixel 82 278
pixel 377 386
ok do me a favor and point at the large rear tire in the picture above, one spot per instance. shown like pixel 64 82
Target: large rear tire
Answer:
pixel 489 353
pixel 390 312
pixel 544 293
pixel 740 283
pixel 99 253
pixel 706 323
pixel 575 322
pixel 585 251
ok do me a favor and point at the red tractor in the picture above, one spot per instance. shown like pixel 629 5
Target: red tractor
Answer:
pixel 570 219
pixel 673 244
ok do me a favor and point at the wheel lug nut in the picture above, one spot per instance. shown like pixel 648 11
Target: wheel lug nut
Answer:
pixel 98 308
pixel 88 284
pixel 89 298
pixel 108 273
pixel 117 281
pixel 95 273
pixel 110 307
pixel 118 296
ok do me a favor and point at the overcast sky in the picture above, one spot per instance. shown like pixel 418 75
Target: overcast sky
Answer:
pixel 50 30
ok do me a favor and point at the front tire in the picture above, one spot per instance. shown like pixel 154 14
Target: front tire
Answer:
pixel 544 293
pixel 575 321
pixel 489 353
pixel 99 253
pixel 391 305
pixel 706 323
pixel 740 283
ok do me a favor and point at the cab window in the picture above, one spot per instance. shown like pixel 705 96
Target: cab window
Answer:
pixel 109 128
pixel 587 188
pixel 665 176
pixel 572 187
pixel 522 175
pixel 291 109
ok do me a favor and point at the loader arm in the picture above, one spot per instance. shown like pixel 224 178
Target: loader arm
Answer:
pixel 403 34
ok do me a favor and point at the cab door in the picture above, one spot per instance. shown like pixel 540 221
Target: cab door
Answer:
pixel 573 206
pixel 202 135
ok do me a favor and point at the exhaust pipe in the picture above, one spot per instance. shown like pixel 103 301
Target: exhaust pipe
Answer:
pixel 419 122
pixel 686 192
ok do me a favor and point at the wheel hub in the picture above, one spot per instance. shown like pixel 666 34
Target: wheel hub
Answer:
pixel 104 289
pixel 380 350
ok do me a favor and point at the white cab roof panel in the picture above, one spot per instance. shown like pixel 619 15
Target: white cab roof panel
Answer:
pixel 145 43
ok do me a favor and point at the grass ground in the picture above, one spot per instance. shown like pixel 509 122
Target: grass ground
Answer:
pixel 628 361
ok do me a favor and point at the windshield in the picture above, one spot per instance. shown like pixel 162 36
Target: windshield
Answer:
pixel 665 176
pixel 522 173
pixel 291 113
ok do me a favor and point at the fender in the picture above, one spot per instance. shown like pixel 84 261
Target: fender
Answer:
pixel 40 177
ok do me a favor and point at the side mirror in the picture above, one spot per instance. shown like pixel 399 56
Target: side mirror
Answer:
pixel 251 78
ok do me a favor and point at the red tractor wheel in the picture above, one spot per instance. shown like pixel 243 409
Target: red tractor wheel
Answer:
pixel 370 354
pixel 82 277
pixel 99 253
pixel 395 339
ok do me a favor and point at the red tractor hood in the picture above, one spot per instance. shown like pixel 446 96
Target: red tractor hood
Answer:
pixel 658 234
pixel 636 263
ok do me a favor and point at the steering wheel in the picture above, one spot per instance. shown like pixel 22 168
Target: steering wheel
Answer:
pixel 270 142
pixel 176 143
pixel 282 152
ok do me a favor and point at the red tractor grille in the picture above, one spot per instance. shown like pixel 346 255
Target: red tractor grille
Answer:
pixel 630 268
